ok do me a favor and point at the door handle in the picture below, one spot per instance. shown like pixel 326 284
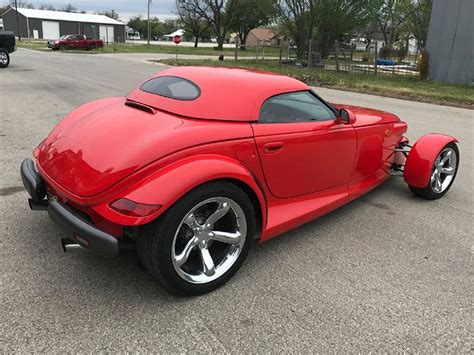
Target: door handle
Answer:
pixel 273 147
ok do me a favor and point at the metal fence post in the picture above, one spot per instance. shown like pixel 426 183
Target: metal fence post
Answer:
pixel 236 48
pixel 336 55
pixel 375 57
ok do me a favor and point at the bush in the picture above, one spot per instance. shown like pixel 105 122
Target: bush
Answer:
pixel 423 64
pixel 387 52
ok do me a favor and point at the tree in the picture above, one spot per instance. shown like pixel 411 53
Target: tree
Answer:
pixel 335 18
pixel 112 14
pixel 250 14
pixel 217 13
pixel 69 8
pixel 193 21
pixel 296 22
pixel 21 3
pixel 48 7
pixel 418 14
pixel 390 18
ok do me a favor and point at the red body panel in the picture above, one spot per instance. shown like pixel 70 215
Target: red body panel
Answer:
pixel 418 166
pixel 228 94
pixel 106 150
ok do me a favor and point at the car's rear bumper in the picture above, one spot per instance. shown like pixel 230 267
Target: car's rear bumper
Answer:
pixel 83 232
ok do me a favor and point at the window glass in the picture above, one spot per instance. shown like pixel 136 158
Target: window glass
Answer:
pixel 172 87
pixel 301 106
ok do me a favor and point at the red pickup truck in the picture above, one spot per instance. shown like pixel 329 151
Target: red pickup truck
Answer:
pixel 75 42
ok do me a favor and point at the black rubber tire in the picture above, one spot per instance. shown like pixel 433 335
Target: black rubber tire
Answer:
pixel 427 192
pixel 62 47
pixel 93 47
pixel 4 52
pixel 154 240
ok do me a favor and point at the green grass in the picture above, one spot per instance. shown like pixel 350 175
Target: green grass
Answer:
pixel 394 86
pixel 133 48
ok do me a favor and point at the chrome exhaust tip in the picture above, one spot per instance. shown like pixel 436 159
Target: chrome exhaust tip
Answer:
pixel 69 244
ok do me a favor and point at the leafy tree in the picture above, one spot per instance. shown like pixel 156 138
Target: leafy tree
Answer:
pixel 217 13
pixel 418 14
pixel 194 22
pixel 250 14
pixel 390 18
pixel 295 21
pixel 334 18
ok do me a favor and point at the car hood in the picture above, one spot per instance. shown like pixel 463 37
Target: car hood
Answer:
pixel 103 142
pixel 368 116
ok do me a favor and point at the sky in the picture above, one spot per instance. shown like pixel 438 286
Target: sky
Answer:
pixel 160 8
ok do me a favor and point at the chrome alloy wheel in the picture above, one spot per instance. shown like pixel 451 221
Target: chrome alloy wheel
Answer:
pixel 3 58
pixel 209 240
pixel 444 169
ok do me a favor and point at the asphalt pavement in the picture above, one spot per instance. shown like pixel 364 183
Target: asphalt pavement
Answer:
pixel 387 273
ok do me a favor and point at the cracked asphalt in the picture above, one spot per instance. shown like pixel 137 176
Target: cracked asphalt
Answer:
pixel 386 273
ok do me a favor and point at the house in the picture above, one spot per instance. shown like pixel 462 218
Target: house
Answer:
pixel 263 36
pixel 45 24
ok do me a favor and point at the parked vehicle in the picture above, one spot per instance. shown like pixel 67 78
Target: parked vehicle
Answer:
pixel 192 170
pixel 7 46
pixel 75 42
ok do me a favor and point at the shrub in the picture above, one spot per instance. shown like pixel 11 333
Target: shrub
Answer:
pixel 387 52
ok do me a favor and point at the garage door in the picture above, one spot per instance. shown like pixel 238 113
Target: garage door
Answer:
pixel 107 33
pixel 50 30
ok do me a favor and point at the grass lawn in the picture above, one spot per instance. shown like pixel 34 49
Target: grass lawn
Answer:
pixel 132 48
pixel 404 87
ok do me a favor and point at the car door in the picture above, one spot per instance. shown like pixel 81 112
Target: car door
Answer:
pixel 302 147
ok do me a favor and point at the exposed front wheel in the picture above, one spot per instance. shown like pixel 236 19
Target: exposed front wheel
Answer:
pixel 4 58
pixel 443 173
pixel 201 241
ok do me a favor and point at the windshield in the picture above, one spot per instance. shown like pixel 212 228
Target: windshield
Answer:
pixel 64 37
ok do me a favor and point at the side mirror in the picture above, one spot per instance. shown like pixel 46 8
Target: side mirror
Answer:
pixel 346 116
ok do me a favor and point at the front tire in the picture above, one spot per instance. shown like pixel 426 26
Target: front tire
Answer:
pixel 443 174
pixel 200 242
pixel 4 58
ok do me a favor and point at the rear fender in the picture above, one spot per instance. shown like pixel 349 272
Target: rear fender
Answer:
pixel 421 158
pixel 169 184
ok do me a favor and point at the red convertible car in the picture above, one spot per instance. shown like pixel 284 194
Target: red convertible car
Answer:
pixel 197 162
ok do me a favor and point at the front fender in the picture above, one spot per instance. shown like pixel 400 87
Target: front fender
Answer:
pixel 169 184
pixel 421 158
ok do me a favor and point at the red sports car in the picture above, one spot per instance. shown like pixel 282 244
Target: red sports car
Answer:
pixel 197 162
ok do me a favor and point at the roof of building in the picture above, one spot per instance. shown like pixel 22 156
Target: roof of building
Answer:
pixel 263 34
pixel 68 16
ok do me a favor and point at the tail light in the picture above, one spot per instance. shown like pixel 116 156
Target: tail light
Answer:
pixel 133 209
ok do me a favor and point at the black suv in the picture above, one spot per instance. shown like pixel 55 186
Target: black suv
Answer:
pixel 7 46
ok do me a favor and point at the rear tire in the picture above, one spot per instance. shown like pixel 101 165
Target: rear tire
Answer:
pixel 433 191
pixel 4 58
pixel 162 244
pixel 93 47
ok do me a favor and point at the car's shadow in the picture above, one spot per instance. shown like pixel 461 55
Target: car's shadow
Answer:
pixel 125 277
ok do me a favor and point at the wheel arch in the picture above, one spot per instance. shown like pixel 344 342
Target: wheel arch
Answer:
pixel 173 182
pixel 421 158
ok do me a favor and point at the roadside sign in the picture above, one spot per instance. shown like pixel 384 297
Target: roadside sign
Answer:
pixel 177 39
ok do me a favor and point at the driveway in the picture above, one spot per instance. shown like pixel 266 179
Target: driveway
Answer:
pixel 386 273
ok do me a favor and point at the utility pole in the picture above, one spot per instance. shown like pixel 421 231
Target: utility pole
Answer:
pixel 149 24
pixel 17 21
